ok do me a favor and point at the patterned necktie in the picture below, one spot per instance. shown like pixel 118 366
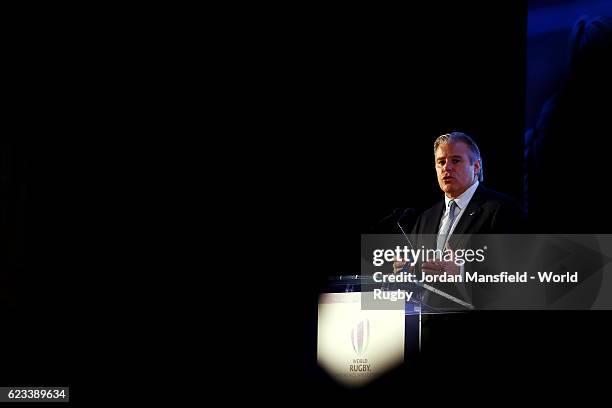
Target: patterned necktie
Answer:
pixel 447 224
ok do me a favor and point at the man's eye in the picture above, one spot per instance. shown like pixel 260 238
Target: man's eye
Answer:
pixel 456 161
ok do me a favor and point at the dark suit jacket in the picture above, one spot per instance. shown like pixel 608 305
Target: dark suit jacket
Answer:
pixel 488 212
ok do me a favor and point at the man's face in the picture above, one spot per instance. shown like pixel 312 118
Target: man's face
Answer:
pixel 455 173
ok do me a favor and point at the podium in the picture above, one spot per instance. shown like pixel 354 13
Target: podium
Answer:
pixel 357 340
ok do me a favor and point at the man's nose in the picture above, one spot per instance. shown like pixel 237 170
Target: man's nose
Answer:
pixel 447 166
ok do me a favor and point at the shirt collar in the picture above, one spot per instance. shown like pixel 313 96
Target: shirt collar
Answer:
pixel 463 200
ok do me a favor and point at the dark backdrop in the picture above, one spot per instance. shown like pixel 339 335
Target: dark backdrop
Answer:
pixel 38 317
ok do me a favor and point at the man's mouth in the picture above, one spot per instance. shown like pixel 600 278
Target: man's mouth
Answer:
pixel 447 178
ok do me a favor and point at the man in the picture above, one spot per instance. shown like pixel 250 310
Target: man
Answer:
pixel 468 207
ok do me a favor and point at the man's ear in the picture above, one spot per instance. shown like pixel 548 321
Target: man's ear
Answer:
pixel 476 168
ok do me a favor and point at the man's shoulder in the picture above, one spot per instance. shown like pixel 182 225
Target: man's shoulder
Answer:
pixel 496 198
pixel 491 202
pixel 506 215
pixel 435 209
pixel 483 195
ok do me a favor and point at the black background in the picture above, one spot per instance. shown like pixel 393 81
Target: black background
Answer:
pixel 38 260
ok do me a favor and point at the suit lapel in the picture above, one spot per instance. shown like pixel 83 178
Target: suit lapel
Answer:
pixel 431 225
pixel 468 219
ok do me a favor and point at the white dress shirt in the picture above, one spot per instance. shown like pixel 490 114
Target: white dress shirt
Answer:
pixel 462 202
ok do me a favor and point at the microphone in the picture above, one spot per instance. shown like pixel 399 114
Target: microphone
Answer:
pixel 393 218
pixel 396 215
pixel 407 211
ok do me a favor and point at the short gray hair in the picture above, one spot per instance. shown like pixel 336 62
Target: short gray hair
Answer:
pixel 455 137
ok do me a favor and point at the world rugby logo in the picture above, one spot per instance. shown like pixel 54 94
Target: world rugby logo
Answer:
pixel 360 336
